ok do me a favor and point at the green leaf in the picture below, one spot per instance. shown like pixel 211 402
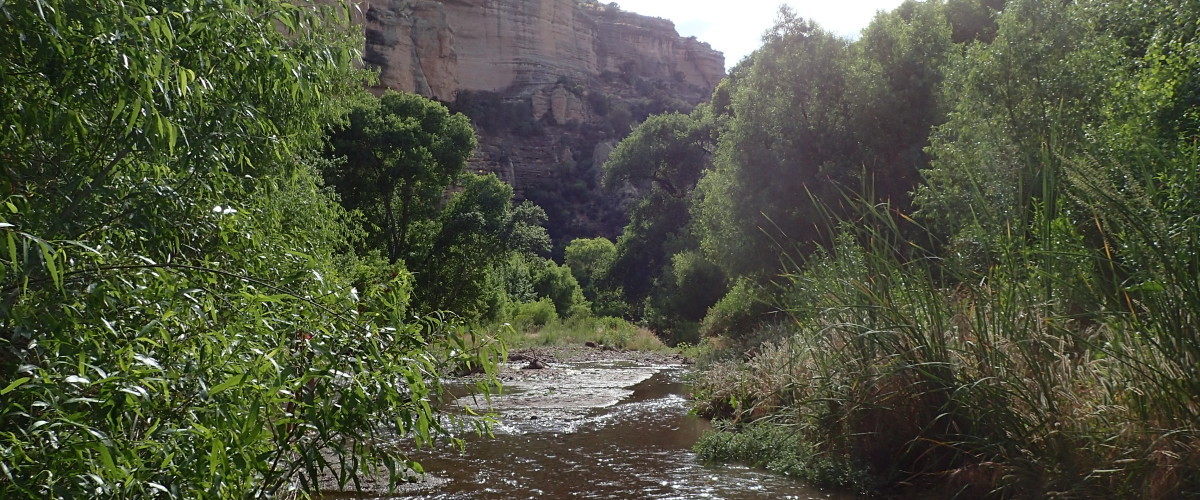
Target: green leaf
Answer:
pixel 215 456
pixel 12 250
pixel 106 458
pixel 228 384
pixel 50 257
pixel 15 384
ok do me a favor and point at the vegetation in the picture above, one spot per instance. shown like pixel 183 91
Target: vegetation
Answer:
pixel 956 256
pixel 527 331
pixel 398 155
pixel 181 312
pixel 968 245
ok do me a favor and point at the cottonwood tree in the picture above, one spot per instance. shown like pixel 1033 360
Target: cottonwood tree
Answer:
pixel 401 151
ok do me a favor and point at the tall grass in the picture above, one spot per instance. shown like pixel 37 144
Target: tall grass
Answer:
pixel 1070 364
pixel 616 333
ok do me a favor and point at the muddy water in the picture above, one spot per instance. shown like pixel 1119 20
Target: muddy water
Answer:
pixel 593 430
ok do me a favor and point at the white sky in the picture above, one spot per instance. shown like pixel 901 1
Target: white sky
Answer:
pixel 735 27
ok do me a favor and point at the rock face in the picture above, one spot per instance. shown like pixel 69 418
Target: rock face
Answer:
pixel 437 48
pixel 551 85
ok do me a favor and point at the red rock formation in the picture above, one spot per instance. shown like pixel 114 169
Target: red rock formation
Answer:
pixel 520 46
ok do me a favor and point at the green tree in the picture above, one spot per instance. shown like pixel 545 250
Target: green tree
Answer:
pixel 1017 107
pixel 664 158
pixel 174 321
pixel 401 152
pixel 556 283
pixel 788 141
pixel 668 150
pixel 814 120
pixel 589 260
pixel 898 69
pixel 476 234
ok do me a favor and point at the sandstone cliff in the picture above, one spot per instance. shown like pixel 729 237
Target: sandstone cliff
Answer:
pixel 551 85
pixel 439 47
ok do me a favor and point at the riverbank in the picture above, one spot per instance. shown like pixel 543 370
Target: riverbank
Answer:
pixel 572 353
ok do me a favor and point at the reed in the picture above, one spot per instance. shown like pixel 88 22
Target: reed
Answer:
pixel 1069 363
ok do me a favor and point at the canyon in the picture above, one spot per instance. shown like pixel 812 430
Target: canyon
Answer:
pixel 552 86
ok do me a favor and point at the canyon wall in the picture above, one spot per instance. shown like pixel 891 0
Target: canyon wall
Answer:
pixel 551 85
pixel 437 48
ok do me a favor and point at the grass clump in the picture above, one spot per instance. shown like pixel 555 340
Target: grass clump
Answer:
pixel 780 449
pixel 616 333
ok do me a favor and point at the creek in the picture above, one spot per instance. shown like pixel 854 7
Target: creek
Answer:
pixel 592 430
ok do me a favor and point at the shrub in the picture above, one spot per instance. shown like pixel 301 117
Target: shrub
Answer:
pixel 532 315
pixel 556 283
pixel 736 314
pixel 783 450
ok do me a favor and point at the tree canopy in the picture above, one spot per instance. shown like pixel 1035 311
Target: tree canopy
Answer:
pixel 178 311
pixel 400 152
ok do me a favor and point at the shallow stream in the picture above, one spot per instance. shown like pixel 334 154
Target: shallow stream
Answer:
pixel 593 430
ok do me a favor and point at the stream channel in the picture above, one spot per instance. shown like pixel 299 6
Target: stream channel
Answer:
pixel 591 429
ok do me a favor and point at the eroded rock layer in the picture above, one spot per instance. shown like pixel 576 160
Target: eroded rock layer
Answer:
pixel 550 84
pixel 437 48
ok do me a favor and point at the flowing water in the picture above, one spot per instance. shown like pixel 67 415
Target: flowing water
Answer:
pixel 593 430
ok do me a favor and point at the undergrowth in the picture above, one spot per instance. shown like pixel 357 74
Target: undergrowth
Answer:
pixel 1064 366
pixel 782 450
pixel 616 333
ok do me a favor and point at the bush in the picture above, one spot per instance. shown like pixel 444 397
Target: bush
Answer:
pixel 783 450
pixel 531 315
pixel 174 321
pixel 556 283
pixel 739 311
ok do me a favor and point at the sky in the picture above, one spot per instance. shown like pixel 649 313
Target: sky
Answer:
pixel 736 27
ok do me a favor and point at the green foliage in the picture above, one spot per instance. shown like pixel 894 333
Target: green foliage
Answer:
pixel 738 312
pixel 476 234
pixel 782 450
pixel 590 261
pixel 812 116
pixel 614 333
pixel 669 150
pixel 392 161
pixel 664 157
pixel 697 284
pixel 1044 342
pixel 530 316
pixel 173 320
pixel 1020 103
pixel 556 283
pixel 787 137
pixel 401 151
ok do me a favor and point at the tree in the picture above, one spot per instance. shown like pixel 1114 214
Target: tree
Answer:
pixel 477 234
pixel 1018 106
pixel 174 318
pixel 589 260
pixel 788 147
pixel 664 157
pixel 669 150
pixel 401 153
pixel 556 283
